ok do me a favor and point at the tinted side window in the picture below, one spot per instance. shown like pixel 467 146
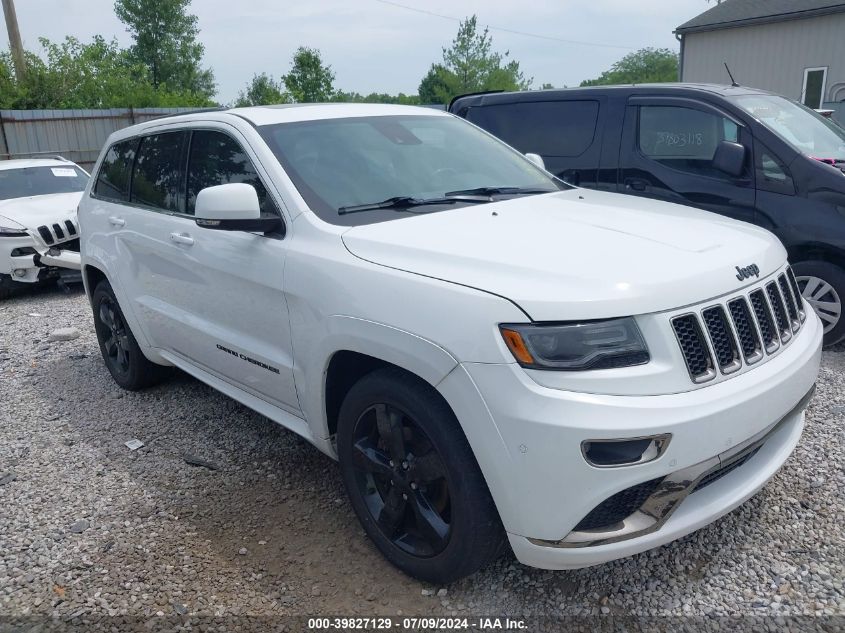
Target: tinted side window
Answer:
pixel 115 172
pixel 548 128
pixel 772 174
pixel 217 159
pixel 158 179
pixel 684 138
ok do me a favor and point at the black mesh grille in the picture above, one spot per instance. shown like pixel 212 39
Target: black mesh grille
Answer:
pixel 720 335
pixel 721 472
pixel 693 345
pixel 787 295
pixel 618 507
pixel 764 318
pixel 45 234
pixel 795 289
pixel 749 340
pixel 777 306
pixel 71 229
pixel 58 231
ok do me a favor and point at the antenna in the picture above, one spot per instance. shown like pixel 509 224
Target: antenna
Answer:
pixel 733 81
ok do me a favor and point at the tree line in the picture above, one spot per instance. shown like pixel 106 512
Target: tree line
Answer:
pixel 164 68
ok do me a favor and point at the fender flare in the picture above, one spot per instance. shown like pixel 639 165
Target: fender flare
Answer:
pixel 406 350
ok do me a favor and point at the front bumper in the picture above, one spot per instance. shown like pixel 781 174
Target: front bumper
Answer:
pixel 17 258
pixel 24 260
pixel 527 439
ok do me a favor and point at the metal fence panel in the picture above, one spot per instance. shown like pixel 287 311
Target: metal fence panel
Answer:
pixel 78 135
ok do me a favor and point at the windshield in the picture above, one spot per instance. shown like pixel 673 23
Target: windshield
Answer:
pixel 40 181
pixel 340 164
pixel 805 130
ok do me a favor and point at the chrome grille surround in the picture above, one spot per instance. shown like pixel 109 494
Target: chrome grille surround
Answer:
pixel 740 330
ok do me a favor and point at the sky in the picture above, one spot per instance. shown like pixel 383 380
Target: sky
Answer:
pixel 376 46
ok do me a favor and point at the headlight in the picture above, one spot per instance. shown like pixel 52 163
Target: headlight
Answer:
pixel 10 228
pixel 576 346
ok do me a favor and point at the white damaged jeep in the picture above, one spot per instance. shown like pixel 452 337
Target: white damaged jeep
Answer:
pixel 39 233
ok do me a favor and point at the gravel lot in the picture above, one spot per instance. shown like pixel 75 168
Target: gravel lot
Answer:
pixel 89 527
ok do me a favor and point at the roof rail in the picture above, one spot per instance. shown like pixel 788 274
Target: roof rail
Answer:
pixel 471 94
pixel 195 111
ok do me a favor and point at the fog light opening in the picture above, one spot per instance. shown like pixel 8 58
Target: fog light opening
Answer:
pixel 20 272
pixel 624 452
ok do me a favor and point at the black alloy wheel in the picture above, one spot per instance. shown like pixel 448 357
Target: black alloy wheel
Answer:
pixel 116 336
pixel 402 480
pixel 120 351
pixel 413 480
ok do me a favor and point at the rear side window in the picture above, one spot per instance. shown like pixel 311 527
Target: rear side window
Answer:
pixel 684 138
pixel 115 172
pixel 158 180
pixel 548 128
pixel 217 159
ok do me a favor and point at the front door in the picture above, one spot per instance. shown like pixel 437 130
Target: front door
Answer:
pixel 215 298
pixel 667 151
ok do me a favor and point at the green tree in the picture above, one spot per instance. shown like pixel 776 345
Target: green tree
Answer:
pixel 471 65
pixel 9 90
pixel 165 36
pixel 75 74
pixel 262 90
pixel 376 97
pixel 439 85
pixel 309 79
pixel 647 65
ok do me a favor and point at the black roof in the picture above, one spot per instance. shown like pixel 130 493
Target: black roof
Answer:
pixel 734 13
pixel 486 98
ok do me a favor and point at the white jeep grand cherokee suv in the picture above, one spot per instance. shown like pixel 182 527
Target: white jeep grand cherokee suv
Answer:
pixel 38 228
pixel 490 353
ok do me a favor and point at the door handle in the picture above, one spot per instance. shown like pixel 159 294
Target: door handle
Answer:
pixel 182 238
pixel 116 221
pixel 635 184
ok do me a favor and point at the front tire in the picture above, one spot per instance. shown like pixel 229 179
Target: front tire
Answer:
pixel 121 353
pixel 7 286
pixel 413 480
pixel 822 285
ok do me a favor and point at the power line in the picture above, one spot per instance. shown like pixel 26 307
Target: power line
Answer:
pixel 505 30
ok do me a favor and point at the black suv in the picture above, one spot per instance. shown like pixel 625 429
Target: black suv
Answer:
pixel 740 152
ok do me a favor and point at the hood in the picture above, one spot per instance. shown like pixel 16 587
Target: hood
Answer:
pixel 34 211
pixel 576 254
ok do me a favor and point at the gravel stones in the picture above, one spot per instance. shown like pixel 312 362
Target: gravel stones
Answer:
pixel 64 334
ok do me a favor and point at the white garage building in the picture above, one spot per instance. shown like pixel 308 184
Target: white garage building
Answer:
pixel 793 47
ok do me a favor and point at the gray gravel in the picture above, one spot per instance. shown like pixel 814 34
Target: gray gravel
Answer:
pixel 221 512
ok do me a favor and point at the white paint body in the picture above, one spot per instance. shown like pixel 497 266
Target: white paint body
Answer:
pixel 30 213
pixel 427 293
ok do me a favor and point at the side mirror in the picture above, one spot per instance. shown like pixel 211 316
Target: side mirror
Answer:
pixel 730 158
pixel 232 207
pixel 536 159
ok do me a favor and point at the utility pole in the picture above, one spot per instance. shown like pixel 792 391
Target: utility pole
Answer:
pixel 14 38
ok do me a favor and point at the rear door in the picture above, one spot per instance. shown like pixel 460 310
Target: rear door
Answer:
pixel 667 153
pixel 566 133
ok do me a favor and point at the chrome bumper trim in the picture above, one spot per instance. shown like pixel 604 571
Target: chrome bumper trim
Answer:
pixel 669 494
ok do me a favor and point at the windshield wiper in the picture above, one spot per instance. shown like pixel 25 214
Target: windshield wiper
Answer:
pixel 493 191
pixel 406 202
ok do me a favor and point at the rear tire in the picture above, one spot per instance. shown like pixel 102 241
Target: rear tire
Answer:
pixel 823 286
pixel 418 491
pixel 121 353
